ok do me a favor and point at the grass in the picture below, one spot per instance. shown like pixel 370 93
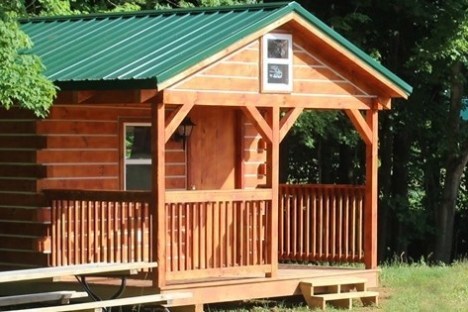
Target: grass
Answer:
pixel 403 287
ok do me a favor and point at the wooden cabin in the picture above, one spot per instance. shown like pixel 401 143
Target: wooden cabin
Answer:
pixel 111 175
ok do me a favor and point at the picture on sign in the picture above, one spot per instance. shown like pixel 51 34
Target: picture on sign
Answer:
pixel 278 48
pixel 278 73
pixel 277 63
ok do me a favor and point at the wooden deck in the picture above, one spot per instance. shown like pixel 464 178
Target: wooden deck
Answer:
pixel 222 289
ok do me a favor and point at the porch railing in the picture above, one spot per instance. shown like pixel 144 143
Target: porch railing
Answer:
pixel 321 223
pixel 217 233
pixel 98 226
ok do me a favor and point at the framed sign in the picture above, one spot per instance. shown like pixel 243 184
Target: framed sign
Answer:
pixel 277 63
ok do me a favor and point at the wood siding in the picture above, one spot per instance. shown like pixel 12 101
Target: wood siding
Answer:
pixel 240 72
pixel 23 218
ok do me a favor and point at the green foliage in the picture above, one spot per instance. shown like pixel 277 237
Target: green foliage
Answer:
pixel 21 80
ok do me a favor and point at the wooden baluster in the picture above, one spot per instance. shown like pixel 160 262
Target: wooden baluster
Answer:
pixel 333 194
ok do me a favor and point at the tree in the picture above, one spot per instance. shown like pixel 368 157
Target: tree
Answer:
pixel 22 82
pixel 443 56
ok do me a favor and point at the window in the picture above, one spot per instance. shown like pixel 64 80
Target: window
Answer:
pixel 277 62
pixel 137 156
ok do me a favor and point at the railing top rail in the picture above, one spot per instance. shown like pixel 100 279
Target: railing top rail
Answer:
pixel 218 195
pixel 324 186
pixel 106 195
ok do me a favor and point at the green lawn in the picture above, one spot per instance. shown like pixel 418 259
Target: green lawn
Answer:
pixel 404 287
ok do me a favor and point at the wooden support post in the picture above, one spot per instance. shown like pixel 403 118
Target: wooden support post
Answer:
pixel 370 207
pixel 273 181
pixel 158 191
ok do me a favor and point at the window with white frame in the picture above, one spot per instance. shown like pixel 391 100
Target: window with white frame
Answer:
pixel 277 62
pixel 137 156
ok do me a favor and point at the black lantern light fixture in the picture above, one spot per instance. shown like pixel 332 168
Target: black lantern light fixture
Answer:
pixel 184 130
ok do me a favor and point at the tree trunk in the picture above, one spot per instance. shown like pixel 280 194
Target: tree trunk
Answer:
pixel 456 161
pixel 446 214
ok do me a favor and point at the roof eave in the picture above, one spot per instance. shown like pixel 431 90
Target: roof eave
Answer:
pixel 147 83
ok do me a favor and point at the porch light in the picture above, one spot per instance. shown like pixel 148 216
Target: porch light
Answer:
pixel 184 130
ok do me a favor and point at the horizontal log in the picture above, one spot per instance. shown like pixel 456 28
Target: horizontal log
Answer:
pixel 18 113
pixel 18 185
pixel 49 126
pixel 24 257
pixel 23 243
pixel 94 112
pixel 234 69
pixel 22 200
pixel 22 141
pixel 17 156
pixel 327 88
pixel 23 229
pixel 82 170
pixel 40 215
pixel 17 126
pixel 104 183
pixel 82 142
pixel 247 55
pixel 217 196
pixel 20 170
pixel 123 196
pixel 77 156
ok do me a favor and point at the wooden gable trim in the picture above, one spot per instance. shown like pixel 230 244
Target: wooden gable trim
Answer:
pixel 259 121
pixel 241 43
pixel 360 124
pixel 175 119
pixel 288 121
pixel 350 56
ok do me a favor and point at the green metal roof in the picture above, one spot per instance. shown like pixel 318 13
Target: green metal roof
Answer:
pixel 144 49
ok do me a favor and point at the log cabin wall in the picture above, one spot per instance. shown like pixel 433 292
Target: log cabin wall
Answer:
pixel 85 147
pixel 23 218
pixel 79 146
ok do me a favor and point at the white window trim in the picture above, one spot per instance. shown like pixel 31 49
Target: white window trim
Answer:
pixel 132 161
pixel 272 87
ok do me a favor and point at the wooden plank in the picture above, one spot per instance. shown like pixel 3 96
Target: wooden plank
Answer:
pixel 81 127
pixel 371 197
pixel 288 120
pixel 274 183
pixel 243 99
pixel 39 215
pixel 77 156
pixel 159 190
pixel 332 88
pixel 80 269
pixel 259 121
pixel 110 303
pixel 18 156
pixel 22 170
pixel 175 119
pixel 220 83
pixel 62 296
pixel 22 141
pixel 217 195
pixel 360 124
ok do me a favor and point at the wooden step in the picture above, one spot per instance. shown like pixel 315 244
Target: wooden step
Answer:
pixel 332 285
pixel 343 300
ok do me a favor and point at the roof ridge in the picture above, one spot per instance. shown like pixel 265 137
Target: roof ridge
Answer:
pixel 177 11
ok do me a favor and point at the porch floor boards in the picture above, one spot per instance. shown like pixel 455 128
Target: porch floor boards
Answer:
pixel 222 289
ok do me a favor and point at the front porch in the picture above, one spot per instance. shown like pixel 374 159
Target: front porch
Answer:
pixel 210 235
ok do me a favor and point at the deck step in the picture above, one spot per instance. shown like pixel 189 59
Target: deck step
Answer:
pixel 333 285
pixel 345 300
pixel 337 291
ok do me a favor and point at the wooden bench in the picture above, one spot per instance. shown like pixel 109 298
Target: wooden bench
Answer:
pixel 61 296
pixel 98 305
pixel 76 270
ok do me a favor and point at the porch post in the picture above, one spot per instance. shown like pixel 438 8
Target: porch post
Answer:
pixel 158 191
pixel 273 156
pixel 370 205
